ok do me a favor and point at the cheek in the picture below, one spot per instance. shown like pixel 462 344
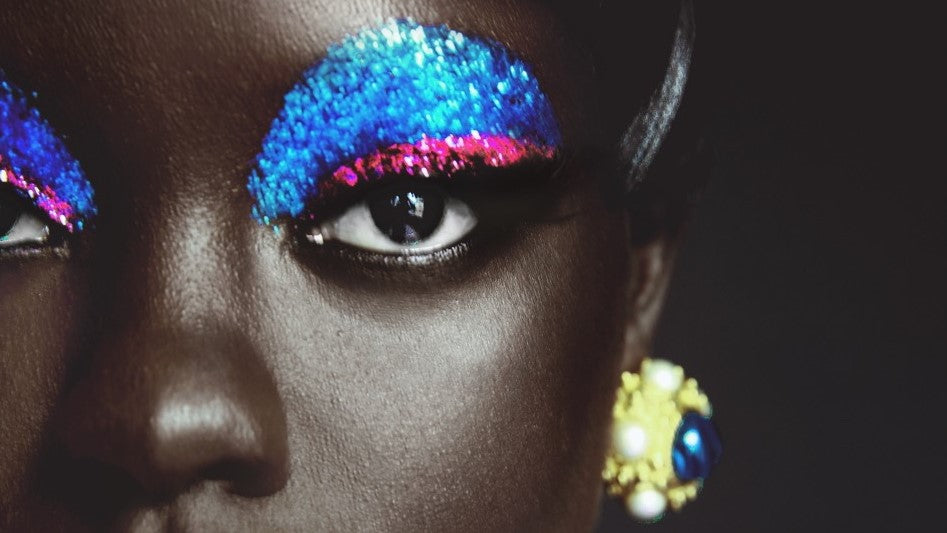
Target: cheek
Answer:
pixel 34 319
pixel 484 402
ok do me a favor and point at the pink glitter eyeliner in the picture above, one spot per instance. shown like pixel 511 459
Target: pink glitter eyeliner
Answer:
pixel 441 158
pixel 43 196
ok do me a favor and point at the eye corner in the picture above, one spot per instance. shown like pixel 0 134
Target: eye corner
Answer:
pixel 30 225
pixel 36 165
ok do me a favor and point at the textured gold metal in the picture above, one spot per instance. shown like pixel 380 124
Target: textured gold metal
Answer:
pixel 658 410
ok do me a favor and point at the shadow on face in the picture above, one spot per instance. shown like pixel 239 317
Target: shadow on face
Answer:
pixel 183 366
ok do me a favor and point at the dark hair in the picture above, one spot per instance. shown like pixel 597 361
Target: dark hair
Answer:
pixel 659 159
pixel 662 154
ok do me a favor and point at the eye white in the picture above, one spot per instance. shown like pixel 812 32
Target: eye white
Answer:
pixel 357 228
pixel 28 229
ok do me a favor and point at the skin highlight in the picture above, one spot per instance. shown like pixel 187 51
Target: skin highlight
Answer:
pixel 184 368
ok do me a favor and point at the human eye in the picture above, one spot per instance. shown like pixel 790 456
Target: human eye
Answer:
pixel 44 195
pixel 401 219
pixel 20 225
pixel 376 146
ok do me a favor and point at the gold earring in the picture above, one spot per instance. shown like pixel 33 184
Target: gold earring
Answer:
pixel 663 442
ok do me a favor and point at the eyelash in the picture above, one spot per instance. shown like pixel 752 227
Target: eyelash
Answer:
pixel 35 211
pixel 441 96
pixel 504 200
pixel 341 204
pixel 55 238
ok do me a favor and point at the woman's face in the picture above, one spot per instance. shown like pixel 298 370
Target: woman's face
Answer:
pixel 184 366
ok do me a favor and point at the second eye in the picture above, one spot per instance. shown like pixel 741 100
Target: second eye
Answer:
pixel 20 224
pixel 403 220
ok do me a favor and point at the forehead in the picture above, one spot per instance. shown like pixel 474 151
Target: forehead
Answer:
pixel 162 49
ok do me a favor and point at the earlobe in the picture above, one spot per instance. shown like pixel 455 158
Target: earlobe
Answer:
pixel 651 267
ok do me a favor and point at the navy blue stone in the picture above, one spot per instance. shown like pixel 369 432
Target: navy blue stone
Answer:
pixel 696 448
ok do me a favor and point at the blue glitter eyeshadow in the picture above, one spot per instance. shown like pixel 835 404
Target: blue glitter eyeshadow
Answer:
pixel 401 83
pixel 36 162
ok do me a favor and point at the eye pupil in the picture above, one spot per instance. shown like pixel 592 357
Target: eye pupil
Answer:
pixel 409 216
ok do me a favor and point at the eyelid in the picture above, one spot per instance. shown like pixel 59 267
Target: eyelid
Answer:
pixel 484 161
pixel 43 198
pixel 36 162
pixel 397 85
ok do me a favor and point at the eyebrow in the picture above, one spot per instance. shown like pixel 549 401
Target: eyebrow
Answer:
pixel 35 162
pixel 402 98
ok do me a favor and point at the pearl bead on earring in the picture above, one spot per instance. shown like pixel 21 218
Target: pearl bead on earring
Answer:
pixel 663 442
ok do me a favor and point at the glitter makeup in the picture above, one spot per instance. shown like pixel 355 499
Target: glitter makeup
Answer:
pixel 404 99
pixel 36 164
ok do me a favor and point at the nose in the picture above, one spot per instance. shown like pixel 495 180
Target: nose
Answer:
pixel 172 409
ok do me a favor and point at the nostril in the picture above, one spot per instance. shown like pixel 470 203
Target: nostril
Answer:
pixel 230 439
pixel 248 480
pixel 172 413
pixel 89 488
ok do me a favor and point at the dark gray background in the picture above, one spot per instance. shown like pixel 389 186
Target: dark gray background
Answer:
pixel 809 299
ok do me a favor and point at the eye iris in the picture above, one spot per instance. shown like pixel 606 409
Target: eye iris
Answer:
pixel 407 217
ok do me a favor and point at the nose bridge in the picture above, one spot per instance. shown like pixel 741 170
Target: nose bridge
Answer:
pixel 171 389
pixel 176 263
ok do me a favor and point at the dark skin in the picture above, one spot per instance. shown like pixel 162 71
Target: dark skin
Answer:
pixel 182 367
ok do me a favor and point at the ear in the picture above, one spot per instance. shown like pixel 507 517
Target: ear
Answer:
pixel 651 267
